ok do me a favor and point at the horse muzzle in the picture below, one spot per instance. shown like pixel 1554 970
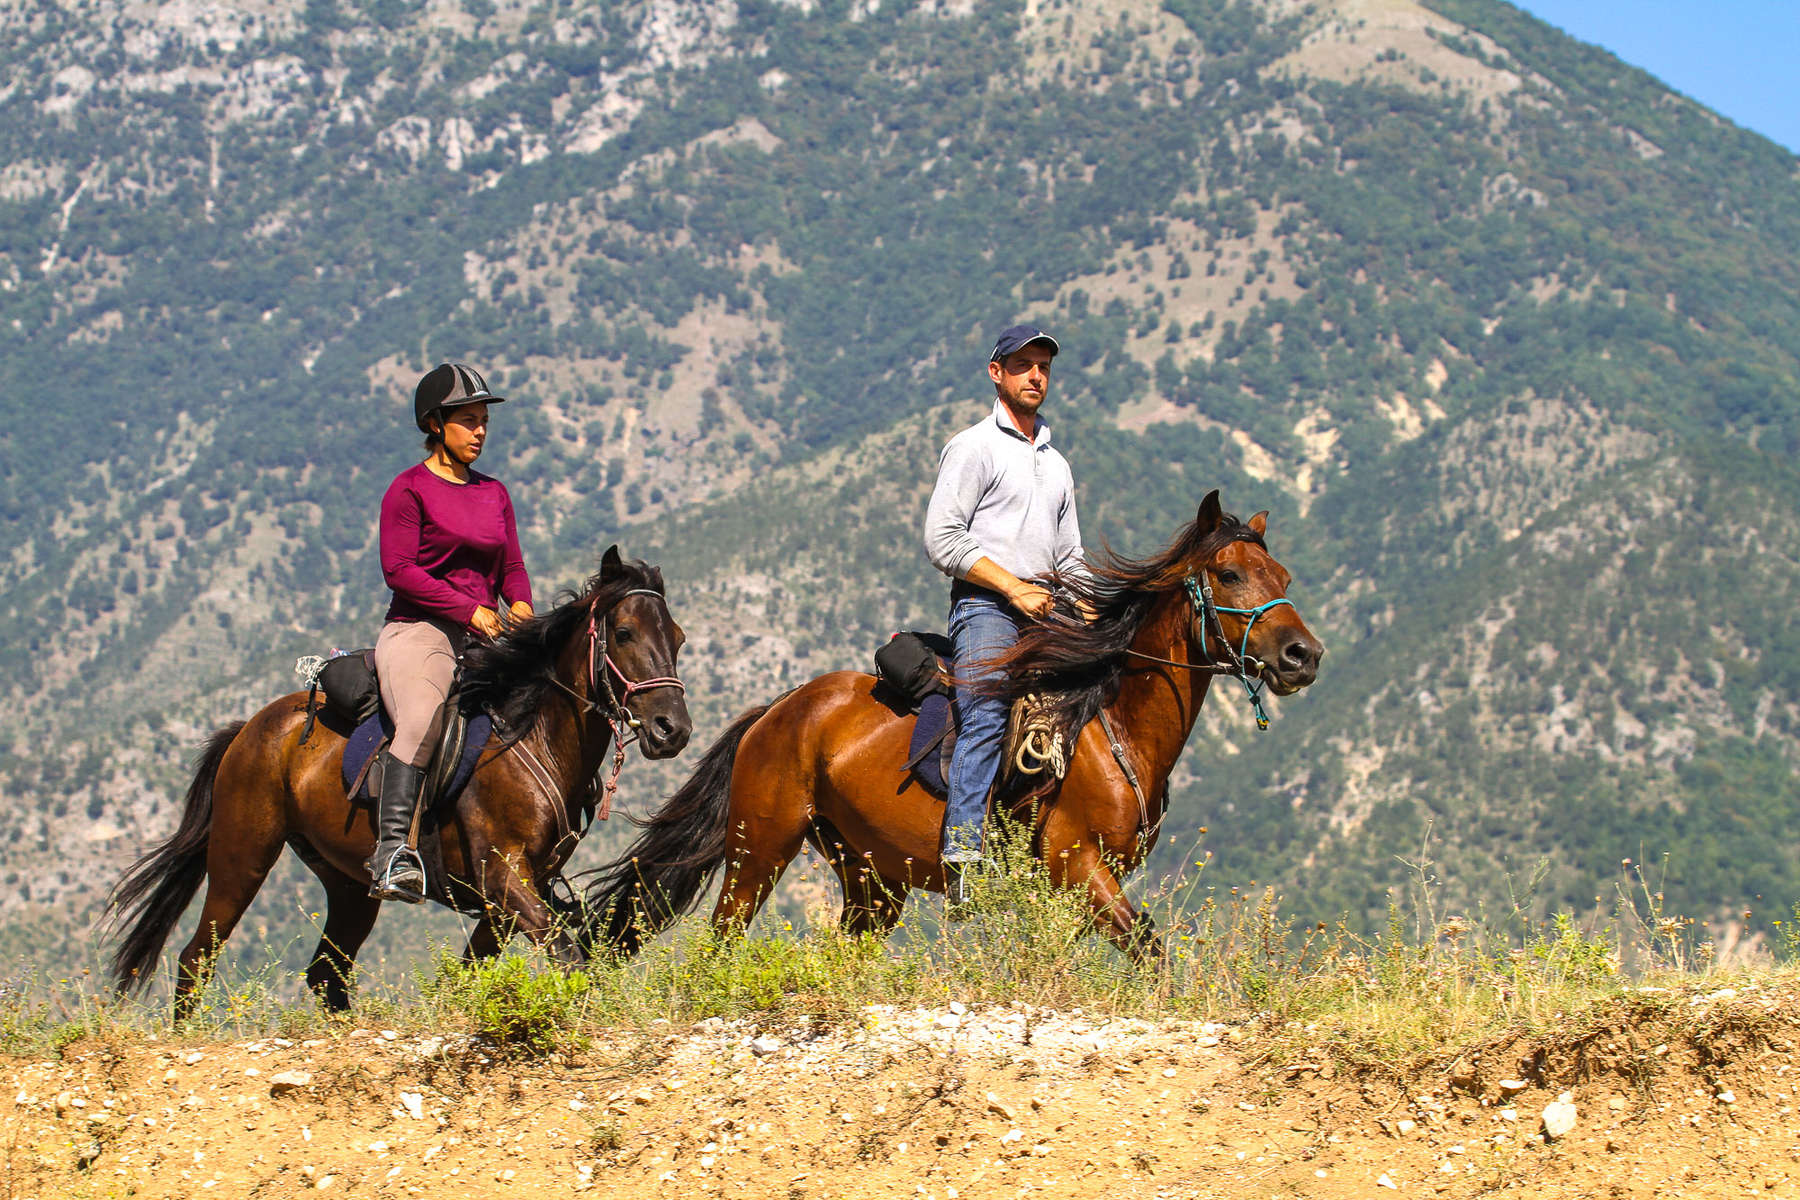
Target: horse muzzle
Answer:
pixel 1295 666
pixel 664 735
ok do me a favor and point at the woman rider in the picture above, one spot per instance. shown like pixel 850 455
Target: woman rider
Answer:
pixel 450 551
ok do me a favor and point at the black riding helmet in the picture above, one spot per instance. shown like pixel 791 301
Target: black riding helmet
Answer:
pixel 448 385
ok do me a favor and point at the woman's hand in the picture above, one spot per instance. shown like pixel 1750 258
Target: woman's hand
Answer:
pixel 486 622
pixel 521 611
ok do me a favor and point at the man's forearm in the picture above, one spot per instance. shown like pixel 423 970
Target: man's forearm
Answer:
pixel 986 573
pixel 1028 598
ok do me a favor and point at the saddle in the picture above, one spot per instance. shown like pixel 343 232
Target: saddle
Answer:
pixel 352 693
pixel 452 760
pixel 915 670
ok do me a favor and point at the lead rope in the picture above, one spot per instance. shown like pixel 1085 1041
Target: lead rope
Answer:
pixel 614 709
pixel 1040 742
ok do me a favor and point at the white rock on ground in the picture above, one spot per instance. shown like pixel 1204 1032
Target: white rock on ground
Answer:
pixel 1559 1118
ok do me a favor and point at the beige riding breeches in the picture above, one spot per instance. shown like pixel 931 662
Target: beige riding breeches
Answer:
pixel 416 663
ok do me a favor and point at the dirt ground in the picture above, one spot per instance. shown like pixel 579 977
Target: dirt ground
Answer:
pixel 1671 1095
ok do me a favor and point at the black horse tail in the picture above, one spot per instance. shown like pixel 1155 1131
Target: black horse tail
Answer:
pixel 156 890
pixel 641 893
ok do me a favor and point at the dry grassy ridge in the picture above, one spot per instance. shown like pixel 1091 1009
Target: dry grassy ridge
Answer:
pixel 1679 1091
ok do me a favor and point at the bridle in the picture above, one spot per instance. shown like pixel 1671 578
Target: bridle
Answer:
pixel 600 672
pixel 599 654
pixel 1237 660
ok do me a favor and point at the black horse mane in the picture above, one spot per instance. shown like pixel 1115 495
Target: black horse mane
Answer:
pixel 510 676
pixel 1076 665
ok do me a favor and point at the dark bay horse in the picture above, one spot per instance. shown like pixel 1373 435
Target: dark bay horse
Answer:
pixel 562 687
pixel 825 762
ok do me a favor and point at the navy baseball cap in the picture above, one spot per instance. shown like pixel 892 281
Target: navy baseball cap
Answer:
pixel 1017 338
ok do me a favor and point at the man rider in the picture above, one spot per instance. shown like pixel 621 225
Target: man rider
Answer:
pixel 1002 516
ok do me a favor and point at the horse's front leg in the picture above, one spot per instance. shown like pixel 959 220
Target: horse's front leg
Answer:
pixel 484 942
pixel 515 904
pixel 1079 862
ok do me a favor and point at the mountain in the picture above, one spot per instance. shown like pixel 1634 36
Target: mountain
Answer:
pixel 1502 331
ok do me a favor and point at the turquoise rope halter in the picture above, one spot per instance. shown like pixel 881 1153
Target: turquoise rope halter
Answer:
pixel 1200 595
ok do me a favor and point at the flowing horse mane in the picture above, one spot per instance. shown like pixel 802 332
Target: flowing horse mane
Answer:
pixel 1075 665
pixel 510 676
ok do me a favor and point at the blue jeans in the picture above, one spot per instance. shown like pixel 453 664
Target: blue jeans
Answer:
pixel 981 625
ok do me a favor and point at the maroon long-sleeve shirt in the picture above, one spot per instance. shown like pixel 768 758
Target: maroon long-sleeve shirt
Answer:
pixel 449 548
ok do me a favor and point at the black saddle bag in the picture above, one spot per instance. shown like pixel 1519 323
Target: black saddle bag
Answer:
pixel 349 685
pixel 910 664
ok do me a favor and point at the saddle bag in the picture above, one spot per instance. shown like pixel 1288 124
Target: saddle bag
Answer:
pixel 350 688
pixel 909 664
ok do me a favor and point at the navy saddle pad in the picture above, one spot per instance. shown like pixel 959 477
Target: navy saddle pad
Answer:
pixel 923 754
pixel 369 737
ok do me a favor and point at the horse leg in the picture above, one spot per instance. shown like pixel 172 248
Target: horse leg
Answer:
pixel 242 848
pixel 484 941
pixel 1132 932
pixel 876 905
pixel 350 913
pixel 517 906
pixel 872 901
pixel 758 849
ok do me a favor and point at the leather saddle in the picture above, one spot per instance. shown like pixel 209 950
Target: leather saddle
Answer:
pixel 452 761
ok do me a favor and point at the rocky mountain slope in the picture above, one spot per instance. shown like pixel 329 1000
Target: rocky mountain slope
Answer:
pixel 1503 332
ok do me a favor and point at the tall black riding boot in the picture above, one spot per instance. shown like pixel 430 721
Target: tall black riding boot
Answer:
pixel 395 872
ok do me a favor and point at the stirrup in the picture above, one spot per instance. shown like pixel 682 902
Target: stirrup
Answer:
pixel 403 879
pixel 959 895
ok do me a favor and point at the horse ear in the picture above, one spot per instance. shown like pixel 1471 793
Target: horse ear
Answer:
pixel 610 562
pixel 1210 511
pixel 1259 524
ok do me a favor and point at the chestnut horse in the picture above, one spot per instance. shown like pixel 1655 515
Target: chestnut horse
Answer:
pixel 562 687
pixel 825 762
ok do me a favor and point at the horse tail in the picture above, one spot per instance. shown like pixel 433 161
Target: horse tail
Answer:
pixel 155 891
pixel 659 878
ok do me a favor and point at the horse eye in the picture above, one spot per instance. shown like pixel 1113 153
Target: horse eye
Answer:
pixel 623 633
pixel 1229 577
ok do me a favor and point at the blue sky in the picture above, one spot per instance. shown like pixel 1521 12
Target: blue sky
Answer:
pixel 1740 58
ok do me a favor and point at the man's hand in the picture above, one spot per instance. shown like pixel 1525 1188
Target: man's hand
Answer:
pixel 521 611
pixel 1034 601
pixel 1029 598
pixel 486 622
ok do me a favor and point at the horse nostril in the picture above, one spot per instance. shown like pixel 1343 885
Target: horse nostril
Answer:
pixel 665 728
pixel 1297 653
